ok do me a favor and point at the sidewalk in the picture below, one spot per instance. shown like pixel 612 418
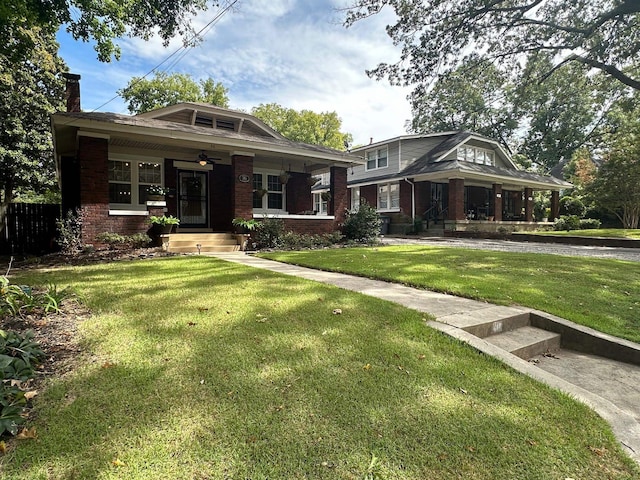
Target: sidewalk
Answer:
pixel 611 388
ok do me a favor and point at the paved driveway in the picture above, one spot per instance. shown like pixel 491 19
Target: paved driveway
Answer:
pixel 630 254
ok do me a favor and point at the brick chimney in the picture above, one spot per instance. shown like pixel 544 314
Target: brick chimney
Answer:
pixel 72 92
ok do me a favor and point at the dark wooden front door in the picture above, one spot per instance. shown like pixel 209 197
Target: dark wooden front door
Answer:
pixel 193 199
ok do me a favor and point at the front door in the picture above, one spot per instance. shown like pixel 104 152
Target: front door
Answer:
pixel 193 199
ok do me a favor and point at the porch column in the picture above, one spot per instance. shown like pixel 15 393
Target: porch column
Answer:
pixel 298 193
pixel 456 199
pixel 555 205
pixel 242 194
pixel 497 202
pixel 528 205
pixel 93 160
pixel 338 189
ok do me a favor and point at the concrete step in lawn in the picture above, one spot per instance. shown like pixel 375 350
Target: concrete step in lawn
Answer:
pixel 201 243
pixel 526 342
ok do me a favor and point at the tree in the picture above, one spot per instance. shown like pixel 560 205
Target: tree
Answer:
pixel 165 89
pixel 472 97
pixel 30 91
pixel 305 125
pixel 101 21
pixel 435 34
pixel 581 169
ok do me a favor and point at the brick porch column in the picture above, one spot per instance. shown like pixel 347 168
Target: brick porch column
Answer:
pixel 497 202
pixel 338 188
pixel 555 206
pixel 93 160
pixel 298 193
pixel 456 199
pixel 242 194
pixel 528 205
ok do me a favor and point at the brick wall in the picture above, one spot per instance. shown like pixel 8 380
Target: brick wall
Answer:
pixel 309 226
pixel 93 155
pixel 338 188
pixel 423 198
pixel 221 192
pixel 370 194
pixel 405 198
pixel 497 202
pixel 298 193
pixel 242 197
pixel 456 199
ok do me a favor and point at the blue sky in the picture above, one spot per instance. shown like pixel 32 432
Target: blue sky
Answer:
pixel 292 52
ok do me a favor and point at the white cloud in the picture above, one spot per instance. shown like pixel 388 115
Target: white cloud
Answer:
pixel 292 52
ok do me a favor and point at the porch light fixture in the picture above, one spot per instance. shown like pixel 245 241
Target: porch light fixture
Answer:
pixel 204 159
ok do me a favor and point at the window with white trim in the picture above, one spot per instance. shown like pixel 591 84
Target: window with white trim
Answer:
pixel 268 192
pixel 388 196
pixel 478 155
pixel 378 158
pixel 355 199
pixel 129 180
pixel 319 204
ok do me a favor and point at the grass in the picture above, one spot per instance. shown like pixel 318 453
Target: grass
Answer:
pixel 201 369
pixel 599 293
pixel 601 232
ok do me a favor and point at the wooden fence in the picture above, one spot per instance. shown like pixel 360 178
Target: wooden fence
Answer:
pixel 28 228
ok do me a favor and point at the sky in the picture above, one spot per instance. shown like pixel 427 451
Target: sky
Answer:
pixel 296 53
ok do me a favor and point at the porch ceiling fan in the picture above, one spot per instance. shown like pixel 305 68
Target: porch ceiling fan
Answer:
pixel 204 159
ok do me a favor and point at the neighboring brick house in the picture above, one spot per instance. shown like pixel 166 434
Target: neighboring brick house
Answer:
pixel 218 164
pixel 460 179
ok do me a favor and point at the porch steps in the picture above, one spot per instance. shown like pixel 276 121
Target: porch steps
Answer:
pixel 201 243
pixel 510 329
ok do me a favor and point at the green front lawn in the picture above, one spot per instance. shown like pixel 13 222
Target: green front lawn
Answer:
pixel 600 232
pixel 200 369
pixel 599 293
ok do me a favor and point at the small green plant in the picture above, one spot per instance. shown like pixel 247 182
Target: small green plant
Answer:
pixel 567 222
pixel 70 232
pixel 164 220
pixel 116 241
pixel 246 224
pixel 362 226
pixel 16 300
pixel 269 233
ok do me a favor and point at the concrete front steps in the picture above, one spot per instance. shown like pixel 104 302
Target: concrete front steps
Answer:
pixel 201 242
pixel 529 333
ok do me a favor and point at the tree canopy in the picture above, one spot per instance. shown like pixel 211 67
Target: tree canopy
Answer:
pixel 30 90
pixel 305 125
pixel 164 89
pixel 101 21
pixel 434 34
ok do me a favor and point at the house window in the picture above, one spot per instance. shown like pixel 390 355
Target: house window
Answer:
pixel 389 196
pixel 377 158
pixel 268 192
pixel 319 205
pixel 129 180
pixel 355 199
pixel 476 155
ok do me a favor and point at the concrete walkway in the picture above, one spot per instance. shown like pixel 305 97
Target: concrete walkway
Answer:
pixel 611 388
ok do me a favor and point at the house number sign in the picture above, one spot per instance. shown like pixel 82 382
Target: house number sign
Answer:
pixel 243 178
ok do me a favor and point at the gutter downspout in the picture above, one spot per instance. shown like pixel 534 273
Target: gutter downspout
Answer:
pixel 413 199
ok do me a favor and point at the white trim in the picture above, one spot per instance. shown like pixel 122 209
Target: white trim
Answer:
pixel 192 166
pixel 292 216
pixel 156 203
pixel 140 213
pixel 105 136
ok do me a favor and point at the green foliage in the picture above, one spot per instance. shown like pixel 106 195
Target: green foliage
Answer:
pixel 303 241
pixel 363 225
pixel 269 233
pixel 567 222
pixel 30 90
pixel 70 232
pixel 304 125
pixel 143 95
pixel 572 206
pixel 246 224
pixel 117 241
pixel 589 223
pixel 164 220
pixel 16 300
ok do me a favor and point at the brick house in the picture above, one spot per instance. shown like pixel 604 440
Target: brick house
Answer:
pixel 217 164
pixel 460 180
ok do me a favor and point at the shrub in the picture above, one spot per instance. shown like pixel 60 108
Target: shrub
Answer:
pixel 269 233
pixel 567 222
pixel 572 206
pixel 301 241
pixel 590 224
pixel 363 225
pixel 115 240
pixel 70 232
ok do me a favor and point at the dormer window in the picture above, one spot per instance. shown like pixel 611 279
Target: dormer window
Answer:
pixel 203 121
pixel 476 155
pixel 225 125
pixel 377 158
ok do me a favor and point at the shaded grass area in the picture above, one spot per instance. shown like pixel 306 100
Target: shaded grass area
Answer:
pixel 202 369
pixel 601 232
pixel 599 293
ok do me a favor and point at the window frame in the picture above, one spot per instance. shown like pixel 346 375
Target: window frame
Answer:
pixel 389 197
pixel 320 206
pixel 355 199
pixel 136 203
pixel 377 158
pixel 470 153
pixel 265 199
